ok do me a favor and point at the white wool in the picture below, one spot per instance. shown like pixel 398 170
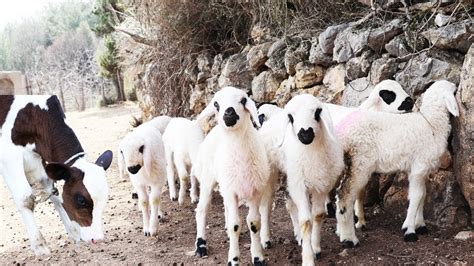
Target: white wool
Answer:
pixel 386 143
pixel 233 156
pixel 266 111
pixel 151 177
pixel 182 138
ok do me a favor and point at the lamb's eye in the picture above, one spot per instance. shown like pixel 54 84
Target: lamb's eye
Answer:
pixel 141 149
pixel 317 114
pixel 291 118
pixel 243 101
pixel 80 200
pixel 216 104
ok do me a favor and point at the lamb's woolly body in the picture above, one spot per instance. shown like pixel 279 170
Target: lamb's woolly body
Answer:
pixel 160 123
pixel 232 156
pixel 385 143
pixel 182 138
pixel 151 175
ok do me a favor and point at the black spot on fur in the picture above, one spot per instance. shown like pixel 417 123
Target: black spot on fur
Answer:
pixel 243 101
pixel 318 256
pixel 406 105
pixel 268 245
pixel 387 96
pixel 404 230
pixel 236 228
pixel 134 196
pixel 317 114
pixel 216 104
pixel 253 228
pixel 290 117
pixel 258 262
pixel 201 248
pixel 411 237
pixel 331 211
pixel 261 118
pixel 235 259
pixel 356 219
pixel 422 230
pixel 343 210
pixel 141 148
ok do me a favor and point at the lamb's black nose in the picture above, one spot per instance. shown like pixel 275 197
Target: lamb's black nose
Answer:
pixel 306 136
pixel 134 169
pixel 406 105
pixel 230 117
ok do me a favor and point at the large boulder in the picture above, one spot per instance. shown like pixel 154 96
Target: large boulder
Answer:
pixel 308 74
pixel 283 94
pixel 383 68
pixel 349 43
pixel 265 85
pixel 334 79
pixel 327 37
pixel 428 67
pixel 380 36
pixel 397 47
pixel 463 130
pixel 236 72
pixel 356 92
pixel 456 36
pixel 295 55
pixel 317 56
pixel 276 55
pixel 359 67
pixel 257 56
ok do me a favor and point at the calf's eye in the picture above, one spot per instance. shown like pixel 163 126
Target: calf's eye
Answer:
pixel 80 200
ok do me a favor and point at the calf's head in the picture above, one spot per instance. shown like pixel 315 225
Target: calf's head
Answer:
pixel 308 119
pixel 85 194
pixel 233 109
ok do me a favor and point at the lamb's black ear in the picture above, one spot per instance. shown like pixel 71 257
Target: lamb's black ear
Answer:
pixel 105 159
pixel 58 171
pixel 387 96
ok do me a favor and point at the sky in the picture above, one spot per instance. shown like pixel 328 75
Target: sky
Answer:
pixel 16 10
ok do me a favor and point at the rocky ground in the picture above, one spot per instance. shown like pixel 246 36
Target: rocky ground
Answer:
pixel 98 130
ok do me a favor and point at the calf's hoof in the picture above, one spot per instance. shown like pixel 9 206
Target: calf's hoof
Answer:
pixel 349 244
pixel 422 230
pixel 410 237
pixel 201 248
pixel 134 196
pixel 258 262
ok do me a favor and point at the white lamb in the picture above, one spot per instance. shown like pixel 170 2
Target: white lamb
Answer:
pixel 142 154
pixel 266 111
pixel 182 138
pixel 232 156
pixel 386 143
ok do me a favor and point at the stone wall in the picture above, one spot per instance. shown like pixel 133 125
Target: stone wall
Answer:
pixel 341 65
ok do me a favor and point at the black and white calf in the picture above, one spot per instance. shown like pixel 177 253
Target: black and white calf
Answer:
pixel 37 146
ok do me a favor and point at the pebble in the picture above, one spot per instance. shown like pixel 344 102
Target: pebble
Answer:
pixel 465 235
pixel 344 253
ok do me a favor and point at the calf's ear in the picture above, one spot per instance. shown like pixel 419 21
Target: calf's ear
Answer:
pixel 58 171
pixel 105 159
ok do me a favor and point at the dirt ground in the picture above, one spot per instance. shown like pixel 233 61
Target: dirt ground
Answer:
pixel 101 129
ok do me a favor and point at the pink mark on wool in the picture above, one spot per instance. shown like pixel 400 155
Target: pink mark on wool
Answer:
pixel 347 122
pixel 246 187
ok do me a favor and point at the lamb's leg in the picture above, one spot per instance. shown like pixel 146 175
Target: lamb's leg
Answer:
pixel 183 180
pixel 359 209
pixel 318 201
pixel 205 197
pixel 233 227
pixel 265 213
pixel 351 184
pixel 293 211
pixel 143 203
pixel 155 215
pixel 22 193
pixel 170 174
pixel 416 192
pixel 253 223
pixel 420 226
pixel 194 189
pixel 297 190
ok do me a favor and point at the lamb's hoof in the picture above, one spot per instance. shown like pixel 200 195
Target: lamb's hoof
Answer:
pixel 235 261
pixel 331 212
pixel 318 256
pixel 258 262
pixel 411 237
pixel 349 244
pixel 147 233
pixel 201 248
pixel 134 196
pixel 174 198
pixel 422 230
pixel 267 245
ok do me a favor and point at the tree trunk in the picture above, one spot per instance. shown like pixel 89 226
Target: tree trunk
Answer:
pixel 117 80
pixel 61 97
